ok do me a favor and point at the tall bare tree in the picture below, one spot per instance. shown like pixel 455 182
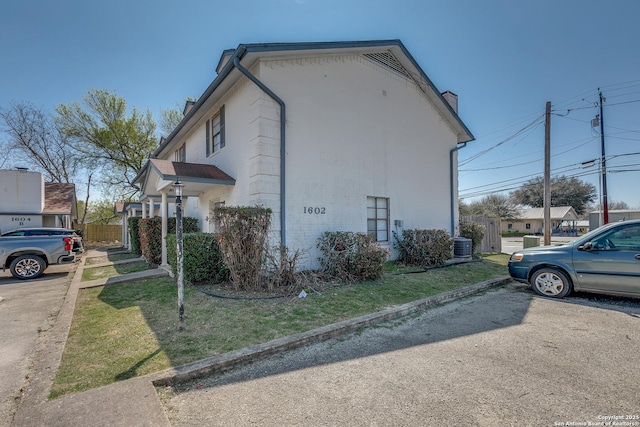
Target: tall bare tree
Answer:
pixel 36 141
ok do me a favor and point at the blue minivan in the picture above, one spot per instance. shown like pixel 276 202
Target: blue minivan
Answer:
pixel 605 260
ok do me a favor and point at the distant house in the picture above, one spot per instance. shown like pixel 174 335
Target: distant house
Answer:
pixel 580 227
pixel 531 221
pixel 27 201
pixel 615 215
pixel 348 136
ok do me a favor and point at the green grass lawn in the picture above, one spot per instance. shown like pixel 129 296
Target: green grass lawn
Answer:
pixel 126 330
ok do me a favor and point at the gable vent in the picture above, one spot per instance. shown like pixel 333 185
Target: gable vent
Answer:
pixel 387 60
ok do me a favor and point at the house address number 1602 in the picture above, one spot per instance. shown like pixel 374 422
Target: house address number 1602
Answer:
pixel 315 210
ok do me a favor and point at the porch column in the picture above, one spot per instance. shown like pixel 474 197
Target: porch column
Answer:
pixel 129 215
pixel 144 209
pixel 164 213
pixel 152 204
pixel 125 231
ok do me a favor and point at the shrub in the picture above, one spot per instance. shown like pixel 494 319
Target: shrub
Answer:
pixel 349 256
pixel 473 231
pixel 424 248
pixel 134 227
pixel 150 235
pixel 150 240
pixel 203 261
pixel 282 266
pixel 243 242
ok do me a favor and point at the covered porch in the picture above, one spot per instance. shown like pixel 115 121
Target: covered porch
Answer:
pixel 158 179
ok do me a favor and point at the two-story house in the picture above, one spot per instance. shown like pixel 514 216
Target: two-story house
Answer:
pixel 349 136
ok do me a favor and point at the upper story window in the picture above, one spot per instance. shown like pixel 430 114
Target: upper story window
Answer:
pixel 378 218
pixel 215 132
pixel 181 153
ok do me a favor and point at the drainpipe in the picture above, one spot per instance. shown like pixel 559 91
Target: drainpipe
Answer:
pixel 283 233
pixel 451 179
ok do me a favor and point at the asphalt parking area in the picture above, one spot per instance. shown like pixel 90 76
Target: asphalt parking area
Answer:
pixel 506 357
pixel 28 309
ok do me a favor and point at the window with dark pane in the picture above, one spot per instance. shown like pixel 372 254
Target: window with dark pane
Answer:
pixel 378 218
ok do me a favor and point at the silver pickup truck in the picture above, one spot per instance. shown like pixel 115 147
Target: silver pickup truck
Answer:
pixel 27 256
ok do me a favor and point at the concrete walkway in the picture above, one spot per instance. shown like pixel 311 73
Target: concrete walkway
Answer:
pixel 134 402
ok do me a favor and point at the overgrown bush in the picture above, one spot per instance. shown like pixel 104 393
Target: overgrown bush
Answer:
pixel 243 241
pixel 424 248
pixel 150 236
pixel 473 231
pixel 349 256
pixel 203 261
pixel 134 227
pixel 282 268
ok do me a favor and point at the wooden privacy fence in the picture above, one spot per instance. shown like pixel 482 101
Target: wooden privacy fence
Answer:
pixel 492 240
pixel 101 232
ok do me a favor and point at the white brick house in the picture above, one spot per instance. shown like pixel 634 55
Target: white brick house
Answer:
pixel 349 136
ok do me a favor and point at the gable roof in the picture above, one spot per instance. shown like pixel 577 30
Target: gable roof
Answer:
pixel 566 213
pixel 59 198
pixel 391 53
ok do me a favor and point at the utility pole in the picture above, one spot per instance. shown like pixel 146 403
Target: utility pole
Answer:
pixel 605 202
pixel 547 176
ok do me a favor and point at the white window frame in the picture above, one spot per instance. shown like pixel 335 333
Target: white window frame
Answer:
pixel 378 218
pixel 215 130
pixel 181 153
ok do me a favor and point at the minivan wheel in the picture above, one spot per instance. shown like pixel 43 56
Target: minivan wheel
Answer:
pixel 27 267
pixel 550 282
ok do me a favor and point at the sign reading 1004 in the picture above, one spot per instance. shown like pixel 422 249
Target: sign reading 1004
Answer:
pixel 311 210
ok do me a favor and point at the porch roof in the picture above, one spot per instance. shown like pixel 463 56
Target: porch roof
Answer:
pixel 158 175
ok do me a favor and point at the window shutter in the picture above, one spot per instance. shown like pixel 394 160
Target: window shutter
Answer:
pixel 208 139
pixel 222 126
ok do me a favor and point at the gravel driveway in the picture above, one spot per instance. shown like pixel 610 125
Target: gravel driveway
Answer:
pixel 503 358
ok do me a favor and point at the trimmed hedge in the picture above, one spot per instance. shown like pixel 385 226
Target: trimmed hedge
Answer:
pixel 134 227
pixel 424 248
pixel 150 235
pixel 203 261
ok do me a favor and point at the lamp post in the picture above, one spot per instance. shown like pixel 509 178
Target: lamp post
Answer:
pixel 180 261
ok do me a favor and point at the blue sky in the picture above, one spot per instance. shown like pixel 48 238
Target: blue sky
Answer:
pixel 504 59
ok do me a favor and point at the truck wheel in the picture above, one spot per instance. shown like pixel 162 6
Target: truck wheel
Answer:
pixel 27 267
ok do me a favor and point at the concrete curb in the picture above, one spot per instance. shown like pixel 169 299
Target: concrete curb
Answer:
pixel 229 360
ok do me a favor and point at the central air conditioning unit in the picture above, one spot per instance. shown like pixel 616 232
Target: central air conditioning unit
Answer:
pixel 462 247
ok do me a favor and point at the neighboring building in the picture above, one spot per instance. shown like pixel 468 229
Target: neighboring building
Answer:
pixel 126 210
pixel 27 201
pixel 531 221
pixel 615 215
pixel 580 227
pixel 349 136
